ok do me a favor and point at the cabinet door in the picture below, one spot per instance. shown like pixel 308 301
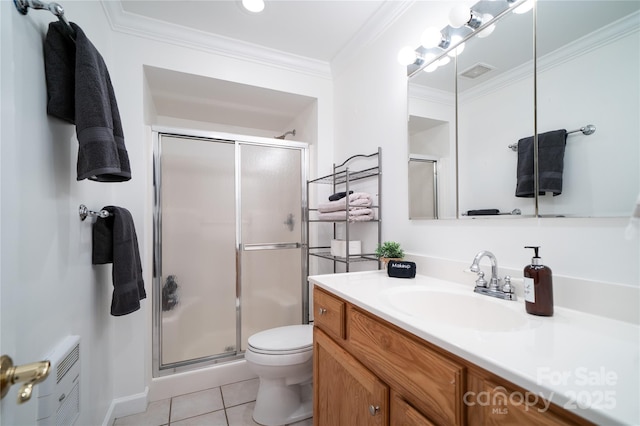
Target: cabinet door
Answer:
pixel 430 381
pixel 496 403
pixel 345 393
pixel 403 414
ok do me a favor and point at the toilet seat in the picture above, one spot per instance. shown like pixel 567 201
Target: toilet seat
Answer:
pixel 290 339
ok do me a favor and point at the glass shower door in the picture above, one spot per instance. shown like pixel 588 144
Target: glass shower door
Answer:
pixel 198 241
pixel 271 188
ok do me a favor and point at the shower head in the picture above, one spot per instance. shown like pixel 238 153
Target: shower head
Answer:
pixel 292 132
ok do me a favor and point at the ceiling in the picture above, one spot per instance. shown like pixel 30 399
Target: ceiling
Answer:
pixel 315 32
pixel 308 28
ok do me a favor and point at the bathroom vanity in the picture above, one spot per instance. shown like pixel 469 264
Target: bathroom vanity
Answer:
pixel 380 359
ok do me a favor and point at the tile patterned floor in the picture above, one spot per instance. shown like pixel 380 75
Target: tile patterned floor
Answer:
pixel 228 405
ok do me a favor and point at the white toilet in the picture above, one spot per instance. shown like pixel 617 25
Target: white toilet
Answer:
pixel 282 359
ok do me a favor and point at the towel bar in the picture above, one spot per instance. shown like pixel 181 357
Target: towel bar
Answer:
pixel 55 8
pixel 587 130
pixel 83 211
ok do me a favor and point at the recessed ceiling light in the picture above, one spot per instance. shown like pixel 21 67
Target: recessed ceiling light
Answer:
pixel 255 6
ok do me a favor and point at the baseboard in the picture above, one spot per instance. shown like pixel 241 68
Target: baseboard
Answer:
pixel 126 406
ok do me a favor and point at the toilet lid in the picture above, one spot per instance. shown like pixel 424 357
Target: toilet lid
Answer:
pixel 283 339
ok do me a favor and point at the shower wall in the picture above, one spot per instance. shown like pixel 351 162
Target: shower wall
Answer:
pixel 228 245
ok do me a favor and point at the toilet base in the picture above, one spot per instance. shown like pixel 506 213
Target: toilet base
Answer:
pixel 280 404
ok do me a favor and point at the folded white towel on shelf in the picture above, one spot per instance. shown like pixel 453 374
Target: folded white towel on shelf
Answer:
pixel 354 215
pixel 357 199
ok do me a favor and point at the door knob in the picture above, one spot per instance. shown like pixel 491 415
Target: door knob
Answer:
pixel 374 409
pixel 28 374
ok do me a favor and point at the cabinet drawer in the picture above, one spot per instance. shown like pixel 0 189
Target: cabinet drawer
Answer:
pixel 430 382
pixel 329 313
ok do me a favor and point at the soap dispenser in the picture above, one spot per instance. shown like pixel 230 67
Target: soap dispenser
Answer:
pixel 538 286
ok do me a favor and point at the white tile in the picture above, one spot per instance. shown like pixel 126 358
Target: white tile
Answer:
pixel 240 392
pixel 217 418
pixel 195 404
pixel 241 415
pixel 157 414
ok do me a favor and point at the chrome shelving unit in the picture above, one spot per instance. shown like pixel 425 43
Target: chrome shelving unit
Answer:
pixel 341 179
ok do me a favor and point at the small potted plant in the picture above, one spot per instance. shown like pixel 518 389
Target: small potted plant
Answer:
pixel 389 250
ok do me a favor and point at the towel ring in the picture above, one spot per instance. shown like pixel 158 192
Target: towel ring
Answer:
pixel 83 211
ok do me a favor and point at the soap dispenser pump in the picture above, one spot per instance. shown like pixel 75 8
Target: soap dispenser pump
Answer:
pixel 538 286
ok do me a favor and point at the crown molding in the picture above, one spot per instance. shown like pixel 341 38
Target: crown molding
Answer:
pixel 153 29
pixel 383 18
pixel 430 94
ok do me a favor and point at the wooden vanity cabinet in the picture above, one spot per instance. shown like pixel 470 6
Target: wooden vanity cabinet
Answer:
pixel 345 393
pixel 370 372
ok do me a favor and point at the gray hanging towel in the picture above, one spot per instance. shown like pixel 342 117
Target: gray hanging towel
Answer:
pixel 79 91
pixel 115 241
pixel 551 147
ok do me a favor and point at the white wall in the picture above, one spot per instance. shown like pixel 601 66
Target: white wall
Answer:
pixel 49 287
pixel 371 110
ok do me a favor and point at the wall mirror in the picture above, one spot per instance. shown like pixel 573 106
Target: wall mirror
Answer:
pixel 585 73
pixel 432 144
pixel 588 73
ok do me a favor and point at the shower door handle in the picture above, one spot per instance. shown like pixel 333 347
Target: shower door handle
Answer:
pixel 270 246
pixel 290 222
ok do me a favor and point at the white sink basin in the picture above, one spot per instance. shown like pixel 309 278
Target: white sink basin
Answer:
pixel 458 309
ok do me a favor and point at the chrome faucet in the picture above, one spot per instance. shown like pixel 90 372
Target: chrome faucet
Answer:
pixel 493 287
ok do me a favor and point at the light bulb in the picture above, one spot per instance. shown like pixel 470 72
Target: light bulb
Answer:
pixel 458 50
pixel 444 61
pixel 459 15
pixel 406 55
pixel 524 7
pixel 431 68
pixel 487 31
pixel 431 37
pixel 254 6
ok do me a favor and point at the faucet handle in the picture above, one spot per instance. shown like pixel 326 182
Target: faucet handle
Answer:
pixel 481 282
pixel 507 287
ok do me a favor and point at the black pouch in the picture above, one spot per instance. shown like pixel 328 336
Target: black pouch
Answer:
pixel 399 269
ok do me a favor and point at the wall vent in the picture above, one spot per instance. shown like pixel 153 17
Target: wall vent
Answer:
pixel 59 394
pixel 477 70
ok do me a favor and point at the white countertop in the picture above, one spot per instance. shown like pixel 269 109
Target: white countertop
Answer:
pixel 584 363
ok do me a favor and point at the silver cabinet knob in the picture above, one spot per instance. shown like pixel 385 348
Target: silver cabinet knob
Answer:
pixel 374 409
pixel 322 311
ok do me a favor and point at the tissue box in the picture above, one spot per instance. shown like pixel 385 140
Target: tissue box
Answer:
pixel 339 248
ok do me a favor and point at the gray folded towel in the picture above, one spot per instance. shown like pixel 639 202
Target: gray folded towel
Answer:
pixel 115 241
pixel 550 164
pixel 79 91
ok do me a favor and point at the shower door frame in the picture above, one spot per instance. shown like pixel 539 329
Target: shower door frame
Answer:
pixel 160 370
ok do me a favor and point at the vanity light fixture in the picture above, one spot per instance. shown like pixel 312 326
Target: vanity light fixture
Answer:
pixel 438 45
pixel 255 6
pixel 407 56
pixel 487 31
pixel 461 15
pixel 432 37
pixel 456 39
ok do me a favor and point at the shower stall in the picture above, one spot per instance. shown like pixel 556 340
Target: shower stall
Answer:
pixel 229 241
